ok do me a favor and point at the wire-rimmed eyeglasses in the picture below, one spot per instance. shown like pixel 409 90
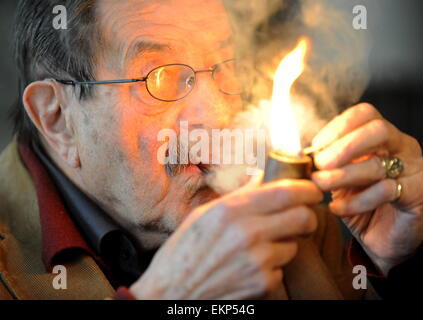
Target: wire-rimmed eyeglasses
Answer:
pixel 173 82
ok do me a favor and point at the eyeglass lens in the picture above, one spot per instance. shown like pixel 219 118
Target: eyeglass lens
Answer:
pixel 174 82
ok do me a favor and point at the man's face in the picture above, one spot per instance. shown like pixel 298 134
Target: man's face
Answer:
pixel 117 130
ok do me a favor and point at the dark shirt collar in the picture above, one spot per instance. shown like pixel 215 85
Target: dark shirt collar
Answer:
pixel 93 222
pixel 58 232
pixel 105 238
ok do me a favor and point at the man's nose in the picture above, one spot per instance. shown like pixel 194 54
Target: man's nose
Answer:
pixel 207 105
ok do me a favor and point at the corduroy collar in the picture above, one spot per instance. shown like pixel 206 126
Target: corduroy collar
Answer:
pixel 70 220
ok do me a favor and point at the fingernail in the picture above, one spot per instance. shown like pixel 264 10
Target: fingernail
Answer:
pixel 320 160
pixel 337 207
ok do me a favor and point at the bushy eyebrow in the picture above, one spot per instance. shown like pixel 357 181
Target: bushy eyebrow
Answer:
pixel 141 46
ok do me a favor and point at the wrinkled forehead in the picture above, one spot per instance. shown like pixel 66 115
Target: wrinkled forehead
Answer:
pixel 200 25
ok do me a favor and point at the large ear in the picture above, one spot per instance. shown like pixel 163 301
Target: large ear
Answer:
pixel 47 104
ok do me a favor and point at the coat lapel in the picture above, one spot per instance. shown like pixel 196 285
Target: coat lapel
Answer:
pixel 22 272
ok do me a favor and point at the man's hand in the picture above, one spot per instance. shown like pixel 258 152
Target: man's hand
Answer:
pixel 351 167
pixel 233 247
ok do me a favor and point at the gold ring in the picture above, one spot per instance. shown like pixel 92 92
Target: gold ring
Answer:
pixel 398 191
pixel 393 167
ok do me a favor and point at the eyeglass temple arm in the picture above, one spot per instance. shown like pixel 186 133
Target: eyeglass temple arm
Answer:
pixel 71 82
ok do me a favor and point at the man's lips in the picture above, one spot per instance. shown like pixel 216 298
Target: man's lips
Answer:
pixel 205 168
pixel 199 170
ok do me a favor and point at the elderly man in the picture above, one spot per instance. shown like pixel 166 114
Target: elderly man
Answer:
pixel 87 209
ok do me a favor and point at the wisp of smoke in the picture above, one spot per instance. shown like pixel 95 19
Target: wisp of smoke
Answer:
pixel 335 77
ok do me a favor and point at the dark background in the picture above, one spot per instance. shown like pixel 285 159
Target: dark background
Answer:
pixel 396 62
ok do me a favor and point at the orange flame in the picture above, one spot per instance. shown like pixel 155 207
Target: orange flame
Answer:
pixel 284 133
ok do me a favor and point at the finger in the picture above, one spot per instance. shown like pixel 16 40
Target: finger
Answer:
pixel 256 286
pixel 367 139
pixel 270 255
pixel 369 199
pixel 292 223
pixel 411 193
pixel 344 123
pixel 353 175
pixel 274 279
pixel 269 280
pixel 254 181
pixel 271 197
pixel 361 174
